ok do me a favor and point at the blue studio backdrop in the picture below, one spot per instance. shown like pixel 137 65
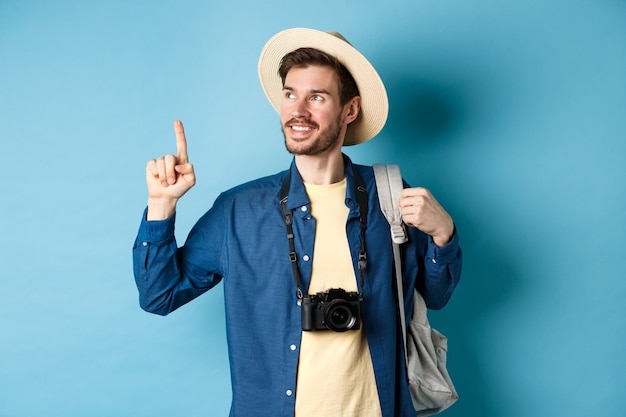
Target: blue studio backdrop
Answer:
pixel 512 113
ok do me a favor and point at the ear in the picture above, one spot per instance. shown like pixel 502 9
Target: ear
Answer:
pixel 351 110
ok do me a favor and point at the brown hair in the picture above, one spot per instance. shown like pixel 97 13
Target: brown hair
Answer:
pixel 305 57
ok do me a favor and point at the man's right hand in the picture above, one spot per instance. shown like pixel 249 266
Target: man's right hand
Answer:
pixel 169 178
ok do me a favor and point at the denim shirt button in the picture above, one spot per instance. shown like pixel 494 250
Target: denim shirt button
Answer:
pixel 292 347
pixel 289 393
pixel 306 258
pixel 304 208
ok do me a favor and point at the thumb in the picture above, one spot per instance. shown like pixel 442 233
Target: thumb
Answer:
pixel 184 168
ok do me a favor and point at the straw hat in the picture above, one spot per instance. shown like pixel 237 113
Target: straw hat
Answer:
pixel 374 104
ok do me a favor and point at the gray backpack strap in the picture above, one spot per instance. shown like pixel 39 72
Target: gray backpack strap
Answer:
pixel 389 186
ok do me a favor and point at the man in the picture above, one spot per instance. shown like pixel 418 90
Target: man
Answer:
pixel 305 255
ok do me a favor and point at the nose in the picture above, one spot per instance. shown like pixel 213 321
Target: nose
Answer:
pixel 300 108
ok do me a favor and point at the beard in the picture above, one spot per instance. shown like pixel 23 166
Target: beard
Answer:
pixel 322 142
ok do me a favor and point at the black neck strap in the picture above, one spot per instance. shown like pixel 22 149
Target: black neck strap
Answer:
pixel 361 197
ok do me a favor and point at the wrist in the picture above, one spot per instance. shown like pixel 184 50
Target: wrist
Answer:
pixel 443 238
pixel 441 241
pixel 161 208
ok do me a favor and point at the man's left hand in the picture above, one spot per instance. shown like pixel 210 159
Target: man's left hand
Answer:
pixel 420 209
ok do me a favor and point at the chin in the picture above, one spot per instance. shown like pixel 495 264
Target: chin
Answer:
pixel 296 147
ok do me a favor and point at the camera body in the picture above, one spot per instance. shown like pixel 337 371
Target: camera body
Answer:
pixel 334 309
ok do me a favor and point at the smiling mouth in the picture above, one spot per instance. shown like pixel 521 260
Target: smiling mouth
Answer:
pixel 301 125
pixel 299 128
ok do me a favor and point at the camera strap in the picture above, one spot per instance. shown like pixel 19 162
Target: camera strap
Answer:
pixel 361 197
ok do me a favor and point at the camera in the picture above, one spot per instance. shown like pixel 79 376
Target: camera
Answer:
pixel 335 309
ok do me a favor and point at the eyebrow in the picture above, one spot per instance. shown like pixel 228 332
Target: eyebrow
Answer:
pixel 313 91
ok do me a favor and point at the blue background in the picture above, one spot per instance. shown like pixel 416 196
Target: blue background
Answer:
pixel 512 113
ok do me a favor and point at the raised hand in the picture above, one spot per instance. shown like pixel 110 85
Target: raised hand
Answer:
pixel 168 178
pixel 420 209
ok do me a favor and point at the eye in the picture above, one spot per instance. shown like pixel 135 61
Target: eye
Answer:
pixel 289 95
pixel 317 97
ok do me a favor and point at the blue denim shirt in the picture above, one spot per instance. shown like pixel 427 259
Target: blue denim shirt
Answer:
pixel 241 241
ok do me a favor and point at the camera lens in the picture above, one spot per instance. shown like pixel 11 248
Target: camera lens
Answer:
pixel 339 316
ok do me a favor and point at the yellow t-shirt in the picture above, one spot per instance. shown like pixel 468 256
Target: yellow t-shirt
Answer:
pixel 335 372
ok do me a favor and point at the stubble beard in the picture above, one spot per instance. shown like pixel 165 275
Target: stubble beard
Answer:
pixel 324 140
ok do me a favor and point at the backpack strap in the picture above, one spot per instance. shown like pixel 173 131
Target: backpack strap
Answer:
pixel 389 185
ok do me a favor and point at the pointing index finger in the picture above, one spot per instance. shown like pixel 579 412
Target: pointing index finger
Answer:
pixel 181 142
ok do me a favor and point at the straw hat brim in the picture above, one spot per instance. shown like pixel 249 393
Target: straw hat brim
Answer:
pixel 374 102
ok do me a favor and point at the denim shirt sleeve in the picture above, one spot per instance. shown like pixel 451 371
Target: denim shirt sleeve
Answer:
pixel 164 281
pixel 442 271
pixel 438 268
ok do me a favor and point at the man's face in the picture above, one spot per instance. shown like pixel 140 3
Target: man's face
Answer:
pixel 312 117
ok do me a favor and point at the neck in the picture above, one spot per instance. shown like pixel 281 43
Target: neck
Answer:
pixel 321 171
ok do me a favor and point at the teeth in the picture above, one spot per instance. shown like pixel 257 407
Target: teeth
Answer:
pixel 301 128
